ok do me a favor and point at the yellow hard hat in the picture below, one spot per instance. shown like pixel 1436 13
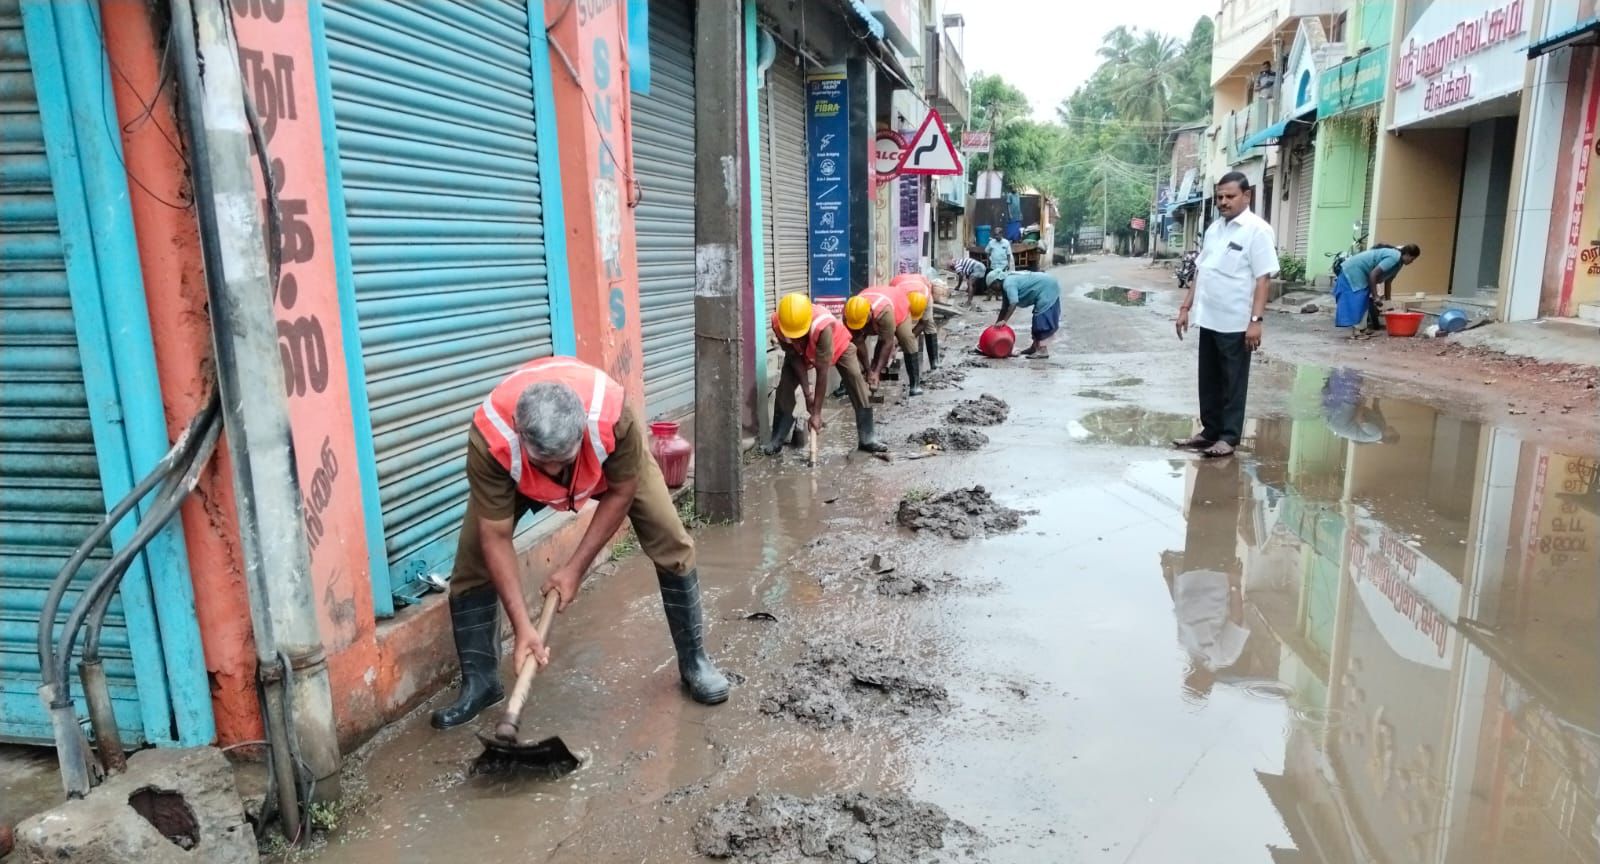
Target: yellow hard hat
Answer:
pixel 856 312
pixel 794 315
pixel 919 303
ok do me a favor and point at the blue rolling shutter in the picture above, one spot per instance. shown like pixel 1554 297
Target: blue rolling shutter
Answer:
pixel 433 103
pixel 663 154
pixel 50 494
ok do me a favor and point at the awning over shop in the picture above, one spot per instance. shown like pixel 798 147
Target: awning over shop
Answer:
pixel 1585 32
pixel 1275 132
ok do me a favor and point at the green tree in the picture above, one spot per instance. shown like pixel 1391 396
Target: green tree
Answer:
pixel 1024 149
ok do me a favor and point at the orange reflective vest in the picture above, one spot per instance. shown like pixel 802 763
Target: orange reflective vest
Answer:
pixel 821 319
pixel 885 296
pixel 912 280
pixel 601 398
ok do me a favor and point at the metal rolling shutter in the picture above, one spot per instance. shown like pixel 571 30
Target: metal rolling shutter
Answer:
pixel 1303 172
pixel 790 206
pixel 433 103
pixel 50 494
pixel 769 246
pixel 1366 194
pixel 663 152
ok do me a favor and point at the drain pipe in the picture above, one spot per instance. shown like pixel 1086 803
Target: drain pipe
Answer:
pixel 299 702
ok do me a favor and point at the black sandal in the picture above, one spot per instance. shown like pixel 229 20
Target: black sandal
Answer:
pixel 1194 443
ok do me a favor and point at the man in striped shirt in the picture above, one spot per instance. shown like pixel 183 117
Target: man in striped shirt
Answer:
pixel 968 270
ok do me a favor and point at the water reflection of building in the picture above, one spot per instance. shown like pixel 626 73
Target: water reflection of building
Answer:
pixel 1435 598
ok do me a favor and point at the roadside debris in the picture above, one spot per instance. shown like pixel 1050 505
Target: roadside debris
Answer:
pixel 838 678
pixel 986 410
pixel 833 829
pixel 944 378
pixel 960 514
pixel 950 438
pixel 906 585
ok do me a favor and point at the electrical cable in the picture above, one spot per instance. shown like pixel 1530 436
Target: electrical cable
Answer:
pixel 105 117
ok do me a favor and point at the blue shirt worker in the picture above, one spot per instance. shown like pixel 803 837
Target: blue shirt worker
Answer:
pixel 1355 289
pixel 1039 292
pixel 999 251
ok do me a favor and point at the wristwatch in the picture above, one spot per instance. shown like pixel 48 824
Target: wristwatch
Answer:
pixel 1256 319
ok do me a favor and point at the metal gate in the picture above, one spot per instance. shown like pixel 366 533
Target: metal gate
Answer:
pixel 67 438
pixel 439 162
pixel 663 153
pixel 790 208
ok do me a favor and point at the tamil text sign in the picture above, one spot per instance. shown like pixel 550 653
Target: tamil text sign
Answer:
pixel 1460 54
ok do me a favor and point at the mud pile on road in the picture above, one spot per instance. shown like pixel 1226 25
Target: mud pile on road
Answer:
pixel 944 378
pixel 986 410
pixel 838 680
pixel 898 584
pixel 833 829
pixel 960 514
pixel 950 437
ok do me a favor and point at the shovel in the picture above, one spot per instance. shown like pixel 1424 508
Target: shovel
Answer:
pixel 503 752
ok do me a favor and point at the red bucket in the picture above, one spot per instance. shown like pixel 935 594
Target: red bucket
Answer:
pixel 997 341
pixel 1402 323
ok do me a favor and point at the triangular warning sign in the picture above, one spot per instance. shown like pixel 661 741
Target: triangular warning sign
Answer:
pixel 931 151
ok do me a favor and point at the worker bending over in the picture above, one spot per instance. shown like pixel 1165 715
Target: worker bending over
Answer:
pixel 812 338
pixel 1039 292
pixel 969 272
pixel 557 433
pixel 884 311
pixel 922 312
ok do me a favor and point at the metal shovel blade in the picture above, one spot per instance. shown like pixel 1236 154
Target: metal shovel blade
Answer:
pixel 550 757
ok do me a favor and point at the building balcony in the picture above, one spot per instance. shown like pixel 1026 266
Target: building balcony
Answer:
pixel 947 80
pixel 1246 30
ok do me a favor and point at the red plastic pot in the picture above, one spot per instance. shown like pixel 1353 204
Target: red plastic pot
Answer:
pixel 671 452
pixel 997 341
pixel 1402 323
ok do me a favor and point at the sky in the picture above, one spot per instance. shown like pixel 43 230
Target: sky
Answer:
pixel 1047 47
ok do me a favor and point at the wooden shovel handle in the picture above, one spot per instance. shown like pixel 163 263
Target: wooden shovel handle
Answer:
pixel 507 729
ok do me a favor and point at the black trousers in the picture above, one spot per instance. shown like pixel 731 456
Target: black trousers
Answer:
pixel 1224 381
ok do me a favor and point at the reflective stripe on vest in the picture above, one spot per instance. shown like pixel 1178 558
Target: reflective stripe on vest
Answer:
pixel 603 404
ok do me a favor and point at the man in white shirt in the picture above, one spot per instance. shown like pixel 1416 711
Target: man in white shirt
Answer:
pixel 999 250
pixel 1228 298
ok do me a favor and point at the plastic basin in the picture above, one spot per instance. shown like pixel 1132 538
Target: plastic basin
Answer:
pixel 1402 323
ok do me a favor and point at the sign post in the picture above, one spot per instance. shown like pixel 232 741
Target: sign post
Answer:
pixel 828 184
pixel 931 150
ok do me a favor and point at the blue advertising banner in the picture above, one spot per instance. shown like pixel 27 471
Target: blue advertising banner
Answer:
pixel 828 137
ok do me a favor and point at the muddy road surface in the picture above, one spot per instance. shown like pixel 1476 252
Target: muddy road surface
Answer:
pixel 1371 636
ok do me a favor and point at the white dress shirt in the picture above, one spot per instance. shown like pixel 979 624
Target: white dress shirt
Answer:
pixel 1233 255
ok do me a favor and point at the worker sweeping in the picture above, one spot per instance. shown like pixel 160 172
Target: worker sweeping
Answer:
pixel 884 311
pixel 557 433
pixel 812 338
pixel 1039 292
pixel 919 289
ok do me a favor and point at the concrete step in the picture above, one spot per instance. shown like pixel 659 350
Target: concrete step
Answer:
pixel 1589 312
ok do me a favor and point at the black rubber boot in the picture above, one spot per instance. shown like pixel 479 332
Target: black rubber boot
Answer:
pixel 782 427
pixel 914 374
pixel 475 619
pixel 931 342
pixel 680 598
pixel 839 392
pixel 866 438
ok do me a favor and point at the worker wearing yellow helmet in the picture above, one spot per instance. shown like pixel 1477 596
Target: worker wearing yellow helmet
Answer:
pixel 920 290
pixel 813 338
pixel 884 311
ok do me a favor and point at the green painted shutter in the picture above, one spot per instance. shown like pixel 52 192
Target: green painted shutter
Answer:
pixel 434 107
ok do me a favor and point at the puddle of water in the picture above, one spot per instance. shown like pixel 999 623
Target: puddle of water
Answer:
pixel 1119 295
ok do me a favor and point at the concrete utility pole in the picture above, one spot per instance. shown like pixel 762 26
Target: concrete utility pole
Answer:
pixel 719 259
pixel 277 563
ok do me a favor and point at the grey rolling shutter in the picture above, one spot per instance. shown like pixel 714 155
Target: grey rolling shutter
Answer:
pixel 769 214
pixel 663 153
pixel 50 494
pixel 434 108
pixel 1303 172
pixel 791 207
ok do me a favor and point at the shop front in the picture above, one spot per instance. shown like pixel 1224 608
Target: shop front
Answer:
pixel 1445 172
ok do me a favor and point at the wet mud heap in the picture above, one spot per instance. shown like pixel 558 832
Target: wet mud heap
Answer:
pixel 950 437
pixel 837 680
pixel 986 410
pixel 960 514
pixel 944 378
pixel 897 584
pixel 832 829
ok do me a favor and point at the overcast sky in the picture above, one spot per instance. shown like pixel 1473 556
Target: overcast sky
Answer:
pixel 1047 47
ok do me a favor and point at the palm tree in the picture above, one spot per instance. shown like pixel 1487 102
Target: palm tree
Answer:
pixel 1116 45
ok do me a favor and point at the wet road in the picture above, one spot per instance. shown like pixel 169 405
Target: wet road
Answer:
pixel 1373 636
